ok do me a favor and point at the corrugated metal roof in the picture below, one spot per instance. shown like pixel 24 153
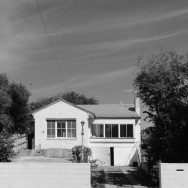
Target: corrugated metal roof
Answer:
pixel 111 110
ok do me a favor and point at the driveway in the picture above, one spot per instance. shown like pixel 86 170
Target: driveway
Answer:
pixel 118 177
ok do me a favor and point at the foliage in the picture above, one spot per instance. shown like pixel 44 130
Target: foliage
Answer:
pixel 161 83
pixel 5 147
pixel 19 110
pixel 77 154
pixel 14 112
pixel 5 104
pixel 72 97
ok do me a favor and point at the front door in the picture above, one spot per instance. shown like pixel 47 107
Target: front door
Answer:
pixel 112 156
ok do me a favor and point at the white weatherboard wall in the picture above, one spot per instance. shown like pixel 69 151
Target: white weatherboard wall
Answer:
pixel 173 175
pixel 47 175
pixel 60 110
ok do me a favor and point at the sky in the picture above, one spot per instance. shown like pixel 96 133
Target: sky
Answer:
pixel 96 43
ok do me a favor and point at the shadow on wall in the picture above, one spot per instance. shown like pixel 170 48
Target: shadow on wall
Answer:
pixel 133 161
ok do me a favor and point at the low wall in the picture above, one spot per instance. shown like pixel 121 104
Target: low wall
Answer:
pixel 47 175
pixel 173 175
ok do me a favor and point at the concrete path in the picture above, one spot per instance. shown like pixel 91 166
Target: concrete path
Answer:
pixel 119 177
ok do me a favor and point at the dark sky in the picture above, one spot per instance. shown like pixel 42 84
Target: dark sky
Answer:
pixel 97 43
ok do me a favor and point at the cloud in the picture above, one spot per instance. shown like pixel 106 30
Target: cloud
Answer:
pixel 84 81
pixel 166 15
pixel 115 45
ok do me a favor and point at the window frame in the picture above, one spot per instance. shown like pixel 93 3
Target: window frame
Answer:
pixel 66 129
pixel 110 126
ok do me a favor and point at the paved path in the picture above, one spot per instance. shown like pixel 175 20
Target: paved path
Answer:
pixel 119 177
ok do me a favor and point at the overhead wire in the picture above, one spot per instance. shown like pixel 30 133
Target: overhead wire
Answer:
pixel 50 43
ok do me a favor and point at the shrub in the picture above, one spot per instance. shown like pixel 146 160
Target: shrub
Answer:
pixel 154 174
pixel 77 154
pixel 5 148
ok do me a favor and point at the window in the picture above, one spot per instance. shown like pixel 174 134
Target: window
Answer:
pixel 126 130
pixel 97 130
pixel 51 129
pixel 129 130
pixel 112 130
pixel 71 129
pixel 108 131
pixel 123 130
pixel 61 129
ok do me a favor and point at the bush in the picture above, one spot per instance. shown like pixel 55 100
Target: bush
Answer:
pixel 77 154
pixel 5 148
pixel 154 174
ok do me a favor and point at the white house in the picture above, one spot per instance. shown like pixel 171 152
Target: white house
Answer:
pixel 112 131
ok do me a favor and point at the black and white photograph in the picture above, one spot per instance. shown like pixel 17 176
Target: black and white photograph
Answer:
pixel 94 93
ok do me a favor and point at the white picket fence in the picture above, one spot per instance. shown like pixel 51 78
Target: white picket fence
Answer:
pixel 19 142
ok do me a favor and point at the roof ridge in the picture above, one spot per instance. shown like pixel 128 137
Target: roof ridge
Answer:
pixel 104 104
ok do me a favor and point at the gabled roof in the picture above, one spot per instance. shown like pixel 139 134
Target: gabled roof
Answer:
pixel 111 111
pixel 62 100
pixel 101 110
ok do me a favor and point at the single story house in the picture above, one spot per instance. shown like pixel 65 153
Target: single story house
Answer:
pixel 112 131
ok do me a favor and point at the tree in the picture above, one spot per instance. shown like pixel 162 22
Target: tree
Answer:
pixel 14 114
pixel 19 110
pixel 14 111
pixel 5 104
pixel 72 97
pixel 161 83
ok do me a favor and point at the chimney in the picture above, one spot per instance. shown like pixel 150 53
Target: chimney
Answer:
pixel 137 105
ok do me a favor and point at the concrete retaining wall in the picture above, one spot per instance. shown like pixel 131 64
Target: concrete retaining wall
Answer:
pixel 173 175
pixel 48 175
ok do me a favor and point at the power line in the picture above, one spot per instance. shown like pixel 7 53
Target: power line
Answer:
pixel 53 51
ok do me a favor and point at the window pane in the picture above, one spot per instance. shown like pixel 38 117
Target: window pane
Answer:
pixel 74 124
pixel 93 130
pixel 123 132
pixel 53 133
pixel 69 133
pixel 53 124
pixel 49 125
pixel 129 130
pixel 69 123
pixel 61 124
pixel 74 133
pixel 97 130
pixel 114 130
pixel 108 130
pixel 58 125
pixel 50 129
pixel 101 130
pixel 49 132
pixel 58 132
pixel 63 132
